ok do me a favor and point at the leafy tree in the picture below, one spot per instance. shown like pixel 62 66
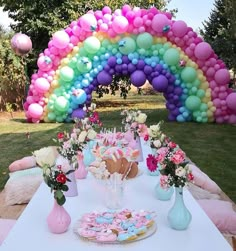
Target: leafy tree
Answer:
pixel 40 19
pixel 12 76
pixel 220 31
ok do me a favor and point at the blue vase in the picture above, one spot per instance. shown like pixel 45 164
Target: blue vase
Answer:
pixel 88 154
pixel 179 216
pixel 163 194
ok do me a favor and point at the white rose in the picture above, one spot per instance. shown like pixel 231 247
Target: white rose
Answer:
pixel 82 136
pixel 64 163
pixel 93 106
pixel 180 171
pixel 91 134
pixel 45 156
pixel 157 143
pixel 153 131
pixel 141 118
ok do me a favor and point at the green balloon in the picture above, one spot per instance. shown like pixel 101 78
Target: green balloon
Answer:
pixel 127 45
pixel 51 116
pixel 84 64
pixel 144 40
pixel 188 74
pixel 61 104
pixel 171 57
pixel 203 107
pixel 200 93
pixel 66 73
pixel 92 45
pixel 193 103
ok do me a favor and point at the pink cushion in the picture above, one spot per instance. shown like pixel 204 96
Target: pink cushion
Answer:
pixel 21 164
pixel 203 181
pixel 221 213
pixel 5 227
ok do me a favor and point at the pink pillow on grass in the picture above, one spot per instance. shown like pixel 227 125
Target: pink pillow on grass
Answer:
pixel 221 213
pixel 21 164
pixel 5 227
pixel 203 181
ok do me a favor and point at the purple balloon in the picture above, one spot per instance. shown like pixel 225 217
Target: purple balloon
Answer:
pixel 112 71
pixel 175 112
pixel 131 67
pixel 124 66
pixel 159 68
pixel 118 68
pixel 140 64
pixel 78 113
pixel 125 59
pixel 160 83
pixel 107 68
pixel 169 89
pixel 178 90
pixel 147 69
pixel 138 78
pixel 111 61
pixel 171 117
pixel 104 78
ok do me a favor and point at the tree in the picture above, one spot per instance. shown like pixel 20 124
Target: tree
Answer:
pixel 12 76
pixel 220 31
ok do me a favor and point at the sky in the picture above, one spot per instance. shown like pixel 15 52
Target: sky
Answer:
pixel 193 12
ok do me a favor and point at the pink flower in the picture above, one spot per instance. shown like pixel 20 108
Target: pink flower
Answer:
pixel 164 181
pixel 151 163
pixel 142 130
pixel 178 157
pixel 172 144
pixel 161 154
pixel 146 137
pixel 190 177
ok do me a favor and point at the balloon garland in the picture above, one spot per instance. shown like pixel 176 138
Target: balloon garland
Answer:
pixel 139 43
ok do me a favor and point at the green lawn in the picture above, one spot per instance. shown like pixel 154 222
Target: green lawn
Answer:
pixel 210 146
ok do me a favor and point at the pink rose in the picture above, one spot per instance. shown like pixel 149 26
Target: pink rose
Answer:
pixel 172 144
pixel 164 181
pixel 178 157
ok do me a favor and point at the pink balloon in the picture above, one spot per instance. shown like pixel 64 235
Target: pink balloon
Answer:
pixel 60 39
pixel 231 101
pixel 222 77
pixel 35 111
pixel 21 44
pixel 106 10
pixel 210 72
pixel 125 9
pixel 44 63
pixel 120 24
pixel 179 28
pixel 159 22
pixel 232 119
pixel 88 22
pixel 203 51
pixel 138 21
pixel 41 85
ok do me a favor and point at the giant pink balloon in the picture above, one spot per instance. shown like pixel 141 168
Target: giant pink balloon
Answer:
pixel 60 39
pixel 41 85
pixel 231 101
pixel 21 44
pixel 222 77
pixel 159 22
pixel 179 28
pixel 88 22
pixel 35 111
pixel 120 24
pixel 203 51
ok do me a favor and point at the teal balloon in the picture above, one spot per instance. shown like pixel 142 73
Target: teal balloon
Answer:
pixel 92 45
pixel 203 107
pixel 66 73
pixel 144 40
pixel 188 74
pixel 61 104
pixel 171 57
pixel 193 103
pixel 127 45
pixel 79 97
pixel 84 64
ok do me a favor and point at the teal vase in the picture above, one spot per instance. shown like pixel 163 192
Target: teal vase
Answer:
pixel 88 154
pixel 163 194
pixel 179 216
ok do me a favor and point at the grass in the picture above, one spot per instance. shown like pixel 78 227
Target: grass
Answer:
pixel 211 146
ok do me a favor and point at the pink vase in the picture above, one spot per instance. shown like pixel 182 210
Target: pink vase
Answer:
pixel 58 220
pixel 81 172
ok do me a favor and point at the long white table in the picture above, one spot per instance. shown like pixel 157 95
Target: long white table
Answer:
pixel 31 231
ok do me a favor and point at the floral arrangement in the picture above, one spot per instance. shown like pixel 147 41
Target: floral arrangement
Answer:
pixel 56 179
pixel 71 143
pixel 174 166
pixel 156 137
pixel 134 120
pixel 92 115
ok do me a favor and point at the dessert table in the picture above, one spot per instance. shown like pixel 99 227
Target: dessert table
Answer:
pixel 31 231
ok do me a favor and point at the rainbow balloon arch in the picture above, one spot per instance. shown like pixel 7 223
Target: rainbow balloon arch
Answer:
pixel 146 45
